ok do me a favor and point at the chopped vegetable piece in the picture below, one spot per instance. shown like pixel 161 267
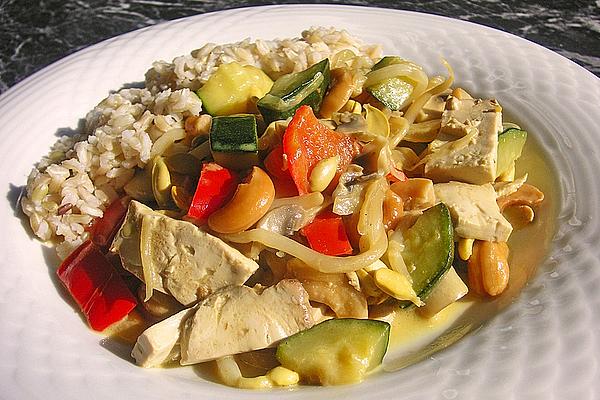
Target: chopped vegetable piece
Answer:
pixel 337 351
pixel 96 286
pixel 215 187
pixel 450 289
pixel 327 235
pixel 235 133
pixel 429 248
pixel 306 142
pixel 510 146
pixel 277 169
pixel 104 228
pixel 275 164
pixel 231 89
pixel 393 92
pixel 234 141
pixel 291 91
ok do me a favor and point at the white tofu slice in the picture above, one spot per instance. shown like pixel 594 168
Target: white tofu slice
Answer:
pixel 240 319
pixel 466 149
pixel 158 344
pixel 183 260
pixel 474 211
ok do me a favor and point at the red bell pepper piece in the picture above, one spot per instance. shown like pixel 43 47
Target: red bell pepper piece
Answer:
pixel 306 142
pixel 276 166
pixel 104 228
pixel 96 286
pixel 327 234
pixel 215 187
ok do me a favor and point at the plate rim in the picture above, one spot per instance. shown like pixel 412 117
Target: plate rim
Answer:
pixel 98 46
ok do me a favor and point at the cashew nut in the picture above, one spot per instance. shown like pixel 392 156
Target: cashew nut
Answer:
pixel 197 126
pixel 526 195
pixel 250 202
pixel 339 94
pixel 488 268
pixel 519 215
pixel 393 208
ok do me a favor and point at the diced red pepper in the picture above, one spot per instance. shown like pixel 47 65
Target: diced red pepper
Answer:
pixel 215 187
pixel 96 286
pixel 284 187
pixel 104 229
pixel 306 142
pixel 327 234
pixel 276 166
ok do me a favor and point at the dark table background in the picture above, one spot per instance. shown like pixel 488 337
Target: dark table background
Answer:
pixel 34 34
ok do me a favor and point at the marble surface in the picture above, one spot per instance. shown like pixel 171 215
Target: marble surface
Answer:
pixel 33 34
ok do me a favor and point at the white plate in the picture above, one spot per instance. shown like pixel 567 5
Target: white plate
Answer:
pixel 545 345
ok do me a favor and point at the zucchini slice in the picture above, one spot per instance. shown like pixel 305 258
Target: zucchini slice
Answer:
pixel 234 141
pixel 429 248
pixel 294 90
pixel 510 146
pixel 393 92
pixel 231 89
pixel 337 351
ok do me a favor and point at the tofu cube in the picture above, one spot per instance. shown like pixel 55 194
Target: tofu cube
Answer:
pixel 475 213
pixel 467 146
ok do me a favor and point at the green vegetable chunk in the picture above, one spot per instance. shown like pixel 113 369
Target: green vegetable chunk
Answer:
pixel 510 146
pixel 429 248
pixel 234 141
pixel 294 90
pixel 393 92
pixel 337 351
pixel 231 89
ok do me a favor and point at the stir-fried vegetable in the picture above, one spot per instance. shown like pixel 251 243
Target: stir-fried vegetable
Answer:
pixel 215 186
pixel 327 235
pixel 307 141
pixel 294 90
pixel 96 287
pixel 232 88
pixel 234 141
pixel 337 351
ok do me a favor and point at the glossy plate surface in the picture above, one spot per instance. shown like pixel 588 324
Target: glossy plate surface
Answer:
pixel 545 345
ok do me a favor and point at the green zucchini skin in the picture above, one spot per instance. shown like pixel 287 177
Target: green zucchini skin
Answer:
pixel 234 141
pixel 510 146
pixel 429 249
pixel 234 133
pixel 291 91
pixel 387 60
